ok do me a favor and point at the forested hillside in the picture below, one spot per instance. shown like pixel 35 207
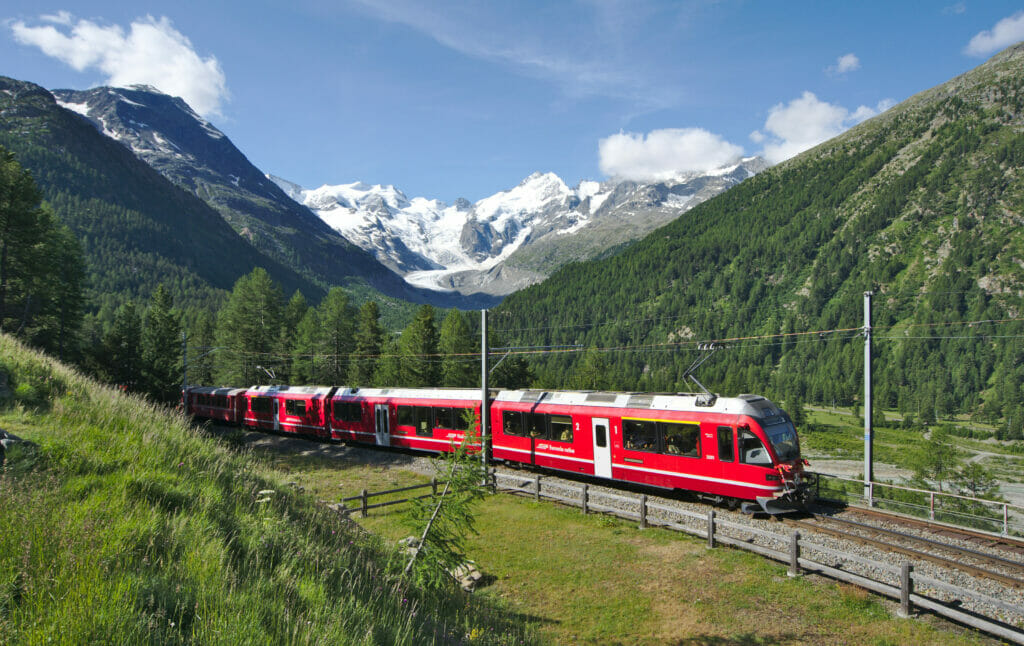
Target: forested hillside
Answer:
pixel 192 154
pixel 136 228
pixel 922 205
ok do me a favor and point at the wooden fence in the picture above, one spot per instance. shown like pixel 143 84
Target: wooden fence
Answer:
pixel 785 548
pixel 365 496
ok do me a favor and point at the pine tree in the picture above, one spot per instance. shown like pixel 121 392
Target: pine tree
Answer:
pixel 592 374
pixel 201 350
pixel 307 352
pixel 444 522
pixel 161 348
pixel 368 347
pixel 389 368
pixel 292 314
pixel 41 265
pixel 249 331
pixel 122 349
pixel 337 335
pixel 418 348
pixel 21 235
pixel 459 366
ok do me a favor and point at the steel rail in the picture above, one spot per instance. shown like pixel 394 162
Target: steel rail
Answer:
pixel 1004 542
pixel 889 547
pixel 991 559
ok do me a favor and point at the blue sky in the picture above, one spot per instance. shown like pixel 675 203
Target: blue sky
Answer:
pixel 464 99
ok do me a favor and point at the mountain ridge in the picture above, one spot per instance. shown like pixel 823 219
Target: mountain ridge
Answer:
pixel 193 154
pixel 513 238
pixel 136 228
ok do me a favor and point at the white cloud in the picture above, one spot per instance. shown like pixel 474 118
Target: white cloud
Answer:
pixel 805 122
pixel 59 18
pixel 845 63
pixel 1006 32
pixel 152 52
pixel 589 48
pixel 662 154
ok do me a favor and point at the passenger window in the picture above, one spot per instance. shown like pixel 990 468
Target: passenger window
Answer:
pixel 295 407
pixel 561 428
pixel 463 418
pixel 512 423
pixel 348 411
pixel 725 444
pixel 535 425
pixel 444 417
pixel 260 404
pixel 681 439
pixel 601 436
pixel 640 435
pixel 424 424
pixel 406 416
pixel 752 451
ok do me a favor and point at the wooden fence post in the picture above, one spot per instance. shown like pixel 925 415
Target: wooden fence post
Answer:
pixel 364 497
pixel 794 555
pixel 711 529
pixel 585 495
pixel 906 589
pixel 536 493
pixel 433 486
pixel 643 511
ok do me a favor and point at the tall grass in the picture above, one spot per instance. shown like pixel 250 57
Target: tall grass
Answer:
pixel 126 526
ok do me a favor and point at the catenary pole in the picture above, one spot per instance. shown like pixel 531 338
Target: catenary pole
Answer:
pixel 484 395
pixel 184 369
pixel 868 430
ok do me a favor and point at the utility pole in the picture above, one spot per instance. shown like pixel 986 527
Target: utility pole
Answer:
pixel 184 370
pixel 485 412
pixel 869 434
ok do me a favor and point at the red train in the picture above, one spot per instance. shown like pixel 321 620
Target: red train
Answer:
pixel 728 449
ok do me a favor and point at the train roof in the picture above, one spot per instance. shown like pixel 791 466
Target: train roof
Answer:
pixel 751 405
pixel 290 390
pixel 469 394
pixel 215 390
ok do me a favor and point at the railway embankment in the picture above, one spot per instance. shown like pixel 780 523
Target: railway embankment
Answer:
pixel 124 524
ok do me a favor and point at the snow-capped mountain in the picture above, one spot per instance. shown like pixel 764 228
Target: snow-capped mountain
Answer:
pixel 514 238
pixel 469 254
pixel 192 153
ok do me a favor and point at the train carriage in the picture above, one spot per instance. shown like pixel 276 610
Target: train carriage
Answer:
pixel 218 404
pixel 301 410
pixel 427 420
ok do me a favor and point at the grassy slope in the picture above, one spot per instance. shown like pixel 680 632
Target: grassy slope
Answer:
pixel 128 526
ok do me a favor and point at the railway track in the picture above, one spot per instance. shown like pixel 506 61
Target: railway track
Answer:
pixel 1006 571
pixel 1010 546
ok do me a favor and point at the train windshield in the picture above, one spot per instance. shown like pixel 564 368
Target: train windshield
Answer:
pixel 782 435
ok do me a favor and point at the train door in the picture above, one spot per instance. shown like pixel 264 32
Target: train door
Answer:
pixel 277 415
pixel 602 447
pixel 725 438
pixel 382 425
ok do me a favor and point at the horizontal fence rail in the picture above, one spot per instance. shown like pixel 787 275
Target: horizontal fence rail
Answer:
pixel 365 496
pixel 993 516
